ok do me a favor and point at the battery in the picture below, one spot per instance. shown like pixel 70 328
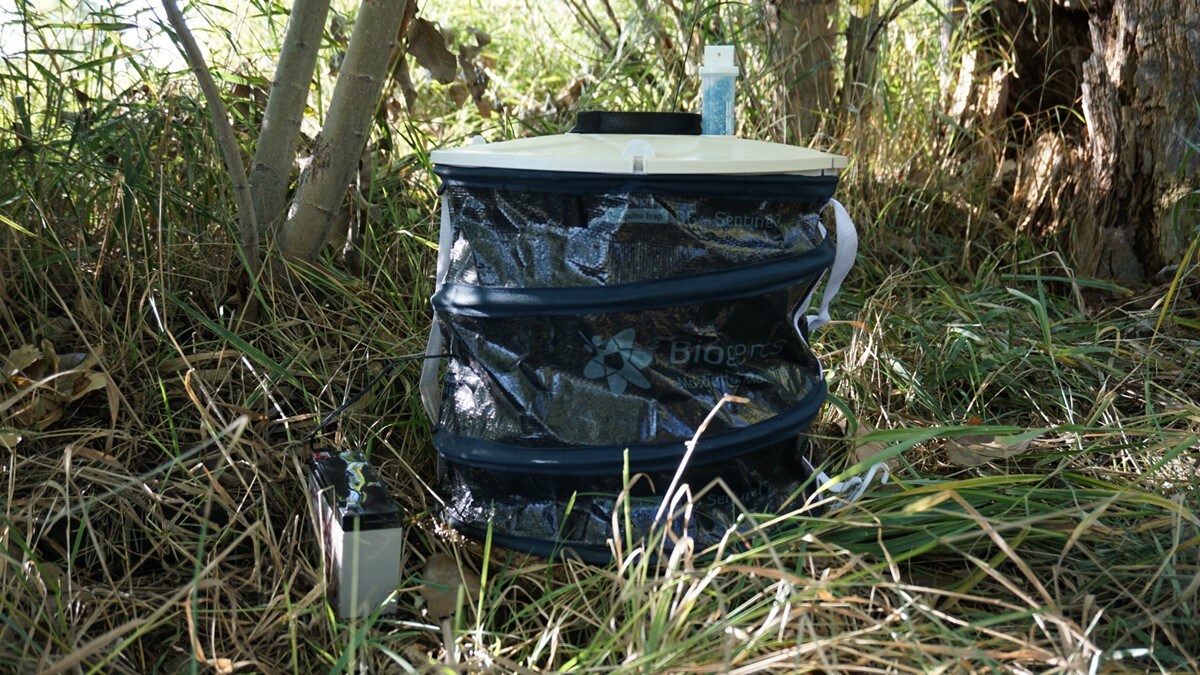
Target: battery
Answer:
pixel 359 531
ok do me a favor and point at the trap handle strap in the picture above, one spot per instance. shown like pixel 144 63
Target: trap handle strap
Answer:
pixel 843 262
pixel 431 392
pixel 852 487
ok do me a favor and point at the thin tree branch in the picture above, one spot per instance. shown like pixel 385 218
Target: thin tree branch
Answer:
pixel 247 229
pixel 275 153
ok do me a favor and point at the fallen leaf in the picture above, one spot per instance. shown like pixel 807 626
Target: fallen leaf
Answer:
pixel 20 381
pixel 38 414
pixel 45 384
pixel 10 440
pixel 84 452
pixel 866 451
pixel 21 358
pixel 981 449
pixel 428 47
pixel 74 386
pixel 442 578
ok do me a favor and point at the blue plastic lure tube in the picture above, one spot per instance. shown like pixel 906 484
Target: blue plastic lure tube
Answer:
pixel 717 77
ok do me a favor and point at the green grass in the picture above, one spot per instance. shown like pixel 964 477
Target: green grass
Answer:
pixel 161 523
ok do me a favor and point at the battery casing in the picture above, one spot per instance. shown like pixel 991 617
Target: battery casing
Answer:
pixel 359 532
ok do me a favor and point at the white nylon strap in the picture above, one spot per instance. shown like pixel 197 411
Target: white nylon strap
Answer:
pixel 431 391
pixel 853 487
pixel 843 262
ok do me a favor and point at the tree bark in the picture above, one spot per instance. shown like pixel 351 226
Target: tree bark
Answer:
pixel 804 36
pixel 862 54
pixel 1098 103
pixel 337 149
pixel 1140 104
pixel 275 153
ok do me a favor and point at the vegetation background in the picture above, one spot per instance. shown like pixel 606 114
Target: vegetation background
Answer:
pixel 1019 342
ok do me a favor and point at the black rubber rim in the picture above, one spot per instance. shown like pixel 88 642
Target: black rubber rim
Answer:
pixel 727 284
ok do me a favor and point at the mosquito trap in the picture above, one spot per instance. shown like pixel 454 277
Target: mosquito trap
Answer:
pixel 598 294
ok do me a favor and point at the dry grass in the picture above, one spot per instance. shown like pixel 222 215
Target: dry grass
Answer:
pixel 160 524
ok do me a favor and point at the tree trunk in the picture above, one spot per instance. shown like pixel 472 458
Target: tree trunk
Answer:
pixel 337 148
pixel 804 36
pixel 1143 127
pixel 275 153
pixel 862 54
pixel 1099 100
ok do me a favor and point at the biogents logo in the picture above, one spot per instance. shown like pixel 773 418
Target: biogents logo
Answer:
pixel 618 360
pixel 729 356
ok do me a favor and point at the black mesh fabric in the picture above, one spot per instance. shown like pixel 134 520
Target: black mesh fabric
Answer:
pixel 591 334
pixel 512 239
pixel 575 516
pixel 626 378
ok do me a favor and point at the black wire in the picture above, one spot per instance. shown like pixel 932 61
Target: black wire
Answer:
pixel 370 385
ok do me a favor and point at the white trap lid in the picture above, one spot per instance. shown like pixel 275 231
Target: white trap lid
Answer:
pixel 641 154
